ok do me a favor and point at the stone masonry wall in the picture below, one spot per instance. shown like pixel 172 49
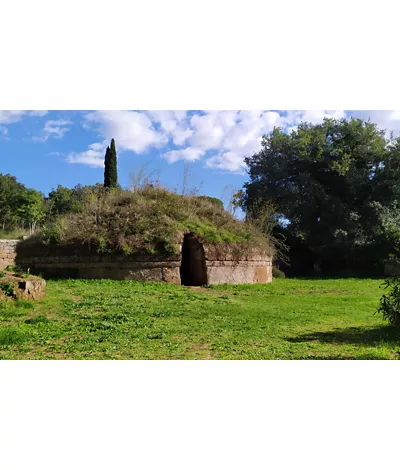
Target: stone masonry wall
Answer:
pixel 225 265
pixel 7 252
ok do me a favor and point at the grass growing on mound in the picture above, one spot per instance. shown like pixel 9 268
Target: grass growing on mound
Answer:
pixel 150 220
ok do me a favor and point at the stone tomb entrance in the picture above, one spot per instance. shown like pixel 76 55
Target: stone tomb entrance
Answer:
pixel 193 269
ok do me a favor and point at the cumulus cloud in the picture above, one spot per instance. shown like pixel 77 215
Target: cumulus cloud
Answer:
pixel 294 118
pixel 55 129
pixel 132 130
pixel 137 132
pixel 190 154
pixel 233 135
pixel 388 120
pixel 10 117
pixel 93 157
pixel 173 124
pixel 228 161
pixel 37 113
pixel 222 138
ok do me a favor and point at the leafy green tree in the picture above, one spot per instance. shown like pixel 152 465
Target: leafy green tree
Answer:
pixel 33 209
pixel 325 181
pixel 60 201
pixel 11 198
pixel 110 167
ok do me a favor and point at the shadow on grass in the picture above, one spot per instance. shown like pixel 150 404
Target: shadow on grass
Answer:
pixel 358 336
pixel 344 357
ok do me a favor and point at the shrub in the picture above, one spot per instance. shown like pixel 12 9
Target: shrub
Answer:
pixel 389 306
pixel 213 200
pixel 277 273
pixel 7 288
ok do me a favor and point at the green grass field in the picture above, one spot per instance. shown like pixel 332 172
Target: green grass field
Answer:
pixel 287 319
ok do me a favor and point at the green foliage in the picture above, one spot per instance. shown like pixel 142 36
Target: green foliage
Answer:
pixel 10 336
pixel 63 200
pixel 277 273
pixel 7 288
pixel 14 234
pixel 326 182
pixel 149 220
pixel 110 167
pixel 389 306
pixel 37 319
pixel 213 200
pixel 20 207
pixel 60 201
pixel 10 197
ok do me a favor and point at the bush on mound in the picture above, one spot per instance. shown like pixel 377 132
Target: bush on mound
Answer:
pixel 150 220
pixel 389 305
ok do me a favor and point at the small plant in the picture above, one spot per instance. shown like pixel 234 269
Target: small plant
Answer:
pixel 10 336
pixel 41 318
pixel 389 306
pixel 7 288
pixel 277 273
pixel 17 270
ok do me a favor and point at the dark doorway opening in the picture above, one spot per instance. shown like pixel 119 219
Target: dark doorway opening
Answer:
pixel 193 266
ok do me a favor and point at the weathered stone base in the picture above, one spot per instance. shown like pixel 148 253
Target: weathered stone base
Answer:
pixel 218 272
pixel 7 252
pixel 159 271
pixel 32 288
pixel 238 272
pixel 216 264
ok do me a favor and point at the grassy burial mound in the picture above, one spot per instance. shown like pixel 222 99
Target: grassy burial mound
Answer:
pixel 148 222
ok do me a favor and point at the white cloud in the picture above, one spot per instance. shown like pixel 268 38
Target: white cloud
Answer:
pixel 225 137
pixel 131 130
pixel 10 117
pixel 190 154
pixel 388 120
pixel 93 157
pixel 228 161
pixel 3 130
pixel 232 134
pixel 37 113
pixel 55 129
pixel 313 116
pixel 137 132
pixel 173 124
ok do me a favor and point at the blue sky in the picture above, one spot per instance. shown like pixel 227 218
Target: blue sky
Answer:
pixel 46 148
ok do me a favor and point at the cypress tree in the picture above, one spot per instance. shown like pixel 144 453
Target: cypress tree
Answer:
pixel 110 167
pixel 107 168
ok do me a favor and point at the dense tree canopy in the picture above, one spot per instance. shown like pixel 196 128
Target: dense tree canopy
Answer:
pixel 336 189
pixel 20 207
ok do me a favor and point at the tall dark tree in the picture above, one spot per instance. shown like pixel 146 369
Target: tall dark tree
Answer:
pixel 329 182
pixel 110 167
